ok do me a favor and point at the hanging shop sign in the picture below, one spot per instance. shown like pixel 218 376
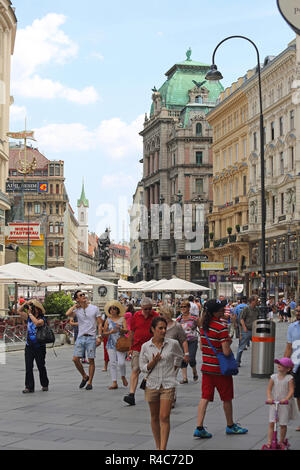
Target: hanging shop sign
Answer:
pixel 26 187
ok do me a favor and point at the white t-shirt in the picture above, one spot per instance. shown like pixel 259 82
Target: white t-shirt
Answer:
pixel 194 309
pixel 87 320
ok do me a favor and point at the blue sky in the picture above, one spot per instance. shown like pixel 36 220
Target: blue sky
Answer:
pixel 83 72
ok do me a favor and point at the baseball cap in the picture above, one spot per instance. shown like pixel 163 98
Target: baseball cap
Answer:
pixel 285 362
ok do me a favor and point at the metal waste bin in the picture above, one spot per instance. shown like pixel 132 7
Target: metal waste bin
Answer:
pixel 263 348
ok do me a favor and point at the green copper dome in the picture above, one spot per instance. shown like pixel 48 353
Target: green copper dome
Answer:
pixel 174 91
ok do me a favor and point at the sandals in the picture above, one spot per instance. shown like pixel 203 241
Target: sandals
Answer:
pixel 185 381
pixel 113 387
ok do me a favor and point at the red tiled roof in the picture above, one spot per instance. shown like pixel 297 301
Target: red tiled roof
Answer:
pixel 15 154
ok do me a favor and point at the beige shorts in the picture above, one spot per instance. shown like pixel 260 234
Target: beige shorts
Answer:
pixel 161 394
pixel 135 365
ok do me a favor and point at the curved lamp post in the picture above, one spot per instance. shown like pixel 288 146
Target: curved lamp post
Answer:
pixel 215 75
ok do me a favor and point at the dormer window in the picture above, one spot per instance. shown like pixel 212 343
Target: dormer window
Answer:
pixel 198 99
pixel 198 129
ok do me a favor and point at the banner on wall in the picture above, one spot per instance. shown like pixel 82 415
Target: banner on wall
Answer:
pixel 36 255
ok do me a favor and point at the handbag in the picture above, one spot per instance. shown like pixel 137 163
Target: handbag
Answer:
pixel 123 344
pixel 228 364
pixel 45 334
pixel 144 381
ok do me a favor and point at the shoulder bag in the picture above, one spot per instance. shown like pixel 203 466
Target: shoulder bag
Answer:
pixel 123 344
pixel 228 364
pixel 44 334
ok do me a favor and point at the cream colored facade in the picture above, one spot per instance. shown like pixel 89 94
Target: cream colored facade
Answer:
pixel 282 169
pixel 229 120
pixel 136 269
pixel 8 27
pixel 71 239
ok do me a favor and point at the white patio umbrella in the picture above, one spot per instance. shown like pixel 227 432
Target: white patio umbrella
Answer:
pixel 125 285
pixel 175 284
pixel 26 275
pixel 69 276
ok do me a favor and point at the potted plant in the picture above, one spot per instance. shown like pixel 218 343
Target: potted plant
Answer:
pixel 229 230
pixel 238 228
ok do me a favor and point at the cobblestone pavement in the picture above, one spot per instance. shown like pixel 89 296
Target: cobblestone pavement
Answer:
pixel 69 418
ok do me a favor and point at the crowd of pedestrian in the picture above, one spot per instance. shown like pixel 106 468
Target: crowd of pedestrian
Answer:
pixel 159 340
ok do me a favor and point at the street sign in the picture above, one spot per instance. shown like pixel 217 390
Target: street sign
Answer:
pixel 212 266
pixel 19 231
pixel 290 11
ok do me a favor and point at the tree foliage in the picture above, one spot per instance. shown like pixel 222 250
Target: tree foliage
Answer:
pixel 58 303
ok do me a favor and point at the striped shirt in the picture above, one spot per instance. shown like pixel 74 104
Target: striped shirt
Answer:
pixel 217 334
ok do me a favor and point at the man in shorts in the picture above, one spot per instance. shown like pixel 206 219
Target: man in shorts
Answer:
pixel 140 333
pixel 292 351
pixel 89 318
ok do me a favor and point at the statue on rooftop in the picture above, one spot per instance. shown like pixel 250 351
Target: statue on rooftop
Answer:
pixel 188 54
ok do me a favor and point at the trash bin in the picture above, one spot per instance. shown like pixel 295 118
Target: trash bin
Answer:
pixel 263 348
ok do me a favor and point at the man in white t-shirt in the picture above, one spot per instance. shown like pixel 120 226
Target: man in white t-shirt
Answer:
pixel 89 318
pixel 194 309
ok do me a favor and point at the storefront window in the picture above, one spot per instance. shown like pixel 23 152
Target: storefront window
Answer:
pixel 281 250
pixel 292 249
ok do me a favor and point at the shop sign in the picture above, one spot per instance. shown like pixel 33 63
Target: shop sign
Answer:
pixel 212 266
pixel 290 10
pixel 23 231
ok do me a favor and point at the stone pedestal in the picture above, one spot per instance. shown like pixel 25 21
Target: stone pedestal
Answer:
pixel 102 294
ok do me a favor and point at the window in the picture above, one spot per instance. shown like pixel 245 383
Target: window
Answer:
pixel 51 171
pixel 225 193
pixel 50 209
pixel 236 152
pixel 37 208
pixel 282 203
pixel 224 158
pixel 57 208
pixel 57 189
pixel 292 158
pixel 50 249
pixel 29 207
pixel 245 148
pixel 198 129
pixel 273 208
pixel 82 217
pixel 199 185
pixel 230 155
pixel 271 166
pixel 57 170
pixel 281 163
pixel 254 174
pixel 51 188
pixel 272 131
pixel 254 140
pixel 198 99
pixel 245 185
pixel 57 227
pixel 281 126
pixel 199 158
pixel 51 228
pixel 292 119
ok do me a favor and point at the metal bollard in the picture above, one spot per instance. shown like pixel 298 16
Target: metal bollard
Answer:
pixel 263 348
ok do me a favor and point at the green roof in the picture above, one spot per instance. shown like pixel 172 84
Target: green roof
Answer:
pixel 83 200
pixel 174 91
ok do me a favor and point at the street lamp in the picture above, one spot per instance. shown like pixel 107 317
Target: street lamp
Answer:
pixel 215 75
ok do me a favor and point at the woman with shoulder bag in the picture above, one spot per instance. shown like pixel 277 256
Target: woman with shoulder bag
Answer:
pixel 34 351
pixel 114 327
pixel 159 359
pixel 214 340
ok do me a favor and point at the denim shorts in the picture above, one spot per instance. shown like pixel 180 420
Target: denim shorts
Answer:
pixel 85 346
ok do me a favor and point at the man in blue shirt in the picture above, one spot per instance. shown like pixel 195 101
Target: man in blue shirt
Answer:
pixel 237 311
pixel 292 350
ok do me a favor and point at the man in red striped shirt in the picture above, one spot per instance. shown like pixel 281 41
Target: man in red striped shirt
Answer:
pixel 212 378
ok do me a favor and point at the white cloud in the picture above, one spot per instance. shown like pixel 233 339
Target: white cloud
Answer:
pixel 17 113
pixel 113 137
pixel 40 44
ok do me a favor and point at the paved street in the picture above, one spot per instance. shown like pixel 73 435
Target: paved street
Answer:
pixel 69 418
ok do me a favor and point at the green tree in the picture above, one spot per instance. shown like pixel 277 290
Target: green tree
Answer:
pixel 58 303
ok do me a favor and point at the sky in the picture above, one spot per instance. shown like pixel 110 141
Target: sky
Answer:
pixel 82 74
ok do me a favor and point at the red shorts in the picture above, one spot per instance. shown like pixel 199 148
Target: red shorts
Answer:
pixel 223 383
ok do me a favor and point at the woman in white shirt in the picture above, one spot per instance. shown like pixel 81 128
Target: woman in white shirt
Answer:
pixel 157 360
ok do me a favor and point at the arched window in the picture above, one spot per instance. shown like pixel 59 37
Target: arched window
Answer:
pixel 198 129
pixel 50 249
pixel 198 99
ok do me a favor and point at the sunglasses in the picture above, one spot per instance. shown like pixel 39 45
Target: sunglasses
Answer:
pixel 184 306
pixel 81 295
pixel 114 308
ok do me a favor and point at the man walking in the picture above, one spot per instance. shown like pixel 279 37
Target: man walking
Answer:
pixel 140 333
pixel 88 317
pixel 247 317
pixel 292 351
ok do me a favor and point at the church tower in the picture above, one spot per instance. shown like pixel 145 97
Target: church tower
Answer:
pixel 83 208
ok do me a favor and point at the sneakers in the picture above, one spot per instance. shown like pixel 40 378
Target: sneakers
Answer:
pixel 84 382
pixel 203 434
pixel 129 399
pixel 236 429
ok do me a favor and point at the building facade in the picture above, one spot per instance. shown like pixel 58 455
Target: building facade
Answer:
pixel 136 247
pixel 71 227
pixel 83 219
pixel 229 120
pixel 282 169
pixel 177 169
pixel 39 197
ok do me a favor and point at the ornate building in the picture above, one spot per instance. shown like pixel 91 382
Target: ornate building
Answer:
pixel 282 170
pixel 229 217
pixel 71 227
pixel 177 166
pixel 43 200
